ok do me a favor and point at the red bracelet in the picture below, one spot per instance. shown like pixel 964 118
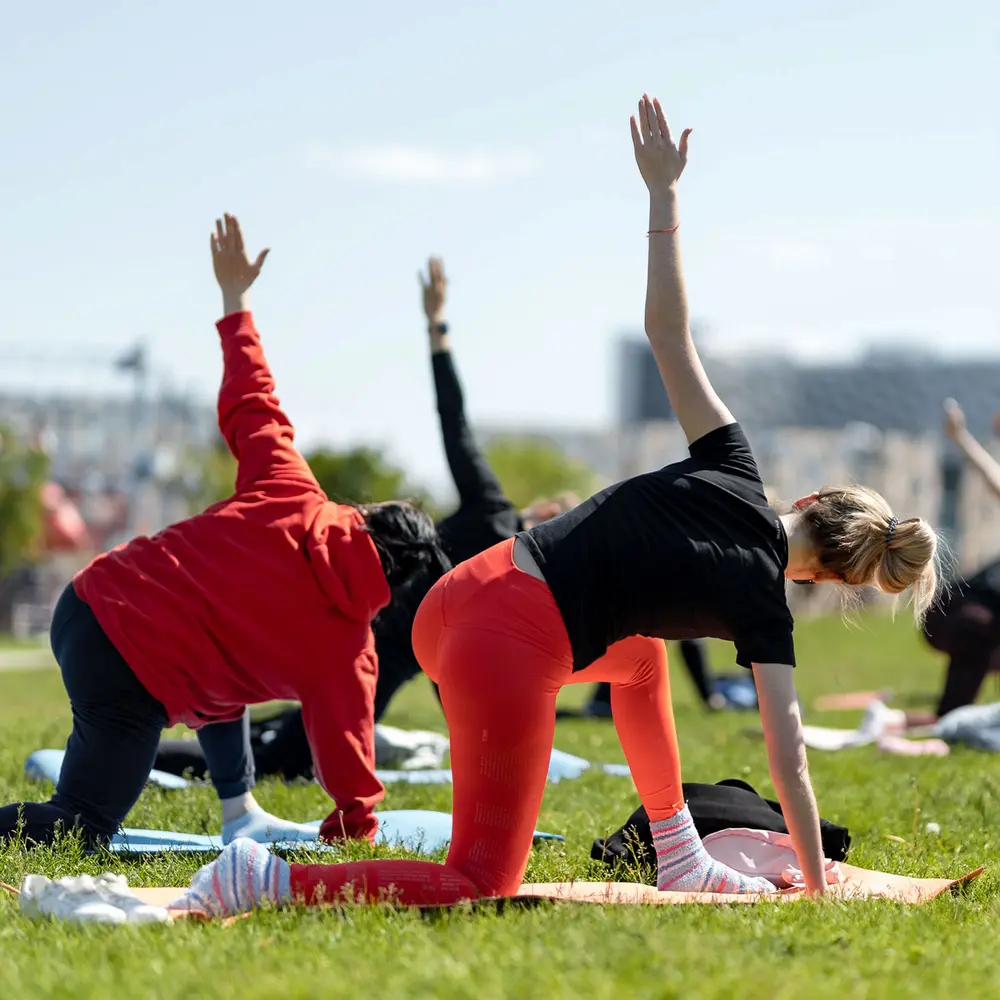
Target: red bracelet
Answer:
pixel 674 230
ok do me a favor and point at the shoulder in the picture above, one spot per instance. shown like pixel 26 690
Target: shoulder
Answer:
pixel 724 445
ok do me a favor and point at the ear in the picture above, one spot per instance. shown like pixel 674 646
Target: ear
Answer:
pixel 804 502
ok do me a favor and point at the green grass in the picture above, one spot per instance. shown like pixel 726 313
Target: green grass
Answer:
pixel 841 950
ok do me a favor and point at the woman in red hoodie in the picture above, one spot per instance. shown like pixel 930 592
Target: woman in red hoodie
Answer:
pixel 269 594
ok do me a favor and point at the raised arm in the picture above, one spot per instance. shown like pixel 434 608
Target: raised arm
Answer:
pixel 699 410
pixel 471 473
pixel 258 432
pixel 975 453
pixel 786 755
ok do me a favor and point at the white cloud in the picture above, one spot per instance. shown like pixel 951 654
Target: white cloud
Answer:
pixel 414 165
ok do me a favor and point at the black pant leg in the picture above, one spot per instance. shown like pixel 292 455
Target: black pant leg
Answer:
pixel 229 756
pixel 116 730
pixel 694 655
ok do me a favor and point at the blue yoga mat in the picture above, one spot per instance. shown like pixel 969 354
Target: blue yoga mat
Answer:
pixel 46 765
pixel 562 767
pixel 737 689
pixel 416 829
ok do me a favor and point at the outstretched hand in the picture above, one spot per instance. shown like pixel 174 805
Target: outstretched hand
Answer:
pixel 434 286
pixel 233 269
pixel 660 162
pixel 954 419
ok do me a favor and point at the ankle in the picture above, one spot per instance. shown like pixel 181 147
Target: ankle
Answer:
pixel 238 806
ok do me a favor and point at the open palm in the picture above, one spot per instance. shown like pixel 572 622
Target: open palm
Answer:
pixel 660 162
pixel 233 269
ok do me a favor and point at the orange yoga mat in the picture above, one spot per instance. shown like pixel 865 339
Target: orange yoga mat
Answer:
pixel 857 883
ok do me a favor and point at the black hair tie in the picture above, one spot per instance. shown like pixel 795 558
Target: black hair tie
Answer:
pixel 893 521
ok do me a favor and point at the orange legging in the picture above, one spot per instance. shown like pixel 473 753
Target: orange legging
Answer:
pixel 493 640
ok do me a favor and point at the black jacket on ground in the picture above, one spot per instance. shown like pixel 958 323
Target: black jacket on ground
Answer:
pixel 728 804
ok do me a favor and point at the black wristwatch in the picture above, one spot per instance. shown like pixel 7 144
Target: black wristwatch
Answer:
pixel 439 328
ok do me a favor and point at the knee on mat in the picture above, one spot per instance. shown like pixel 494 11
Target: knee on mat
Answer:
pixel 43 823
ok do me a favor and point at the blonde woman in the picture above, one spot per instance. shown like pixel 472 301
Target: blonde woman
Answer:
pixel 693 549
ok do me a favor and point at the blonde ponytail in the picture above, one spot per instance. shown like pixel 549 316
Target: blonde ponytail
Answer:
pixel 858 538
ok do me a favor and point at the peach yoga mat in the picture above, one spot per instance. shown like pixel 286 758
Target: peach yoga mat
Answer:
pixel 858 883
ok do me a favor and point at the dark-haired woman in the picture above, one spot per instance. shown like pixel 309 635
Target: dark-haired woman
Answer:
pixel 267 595
pixel 485 515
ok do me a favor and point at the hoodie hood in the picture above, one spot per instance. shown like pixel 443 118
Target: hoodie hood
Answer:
pixel 345 562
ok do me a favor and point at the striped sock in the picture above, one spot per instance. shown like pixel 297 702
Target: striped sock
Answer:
pixel 242 877
pixel 683 864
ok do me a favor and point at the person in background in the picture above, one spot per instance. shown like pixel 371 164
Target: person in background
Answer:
pixel 266 595
pixel 965 622
pixel 693 549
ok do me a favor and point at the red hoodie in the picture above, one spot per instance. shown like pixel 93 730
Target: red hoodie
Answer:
pixel 269 594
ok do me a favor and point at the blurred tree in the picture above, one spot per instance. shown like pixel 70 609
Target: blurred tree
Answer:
pixel 359 475
pixel 24 470
pixel 210 476
pixel 530 468
pixel 364 475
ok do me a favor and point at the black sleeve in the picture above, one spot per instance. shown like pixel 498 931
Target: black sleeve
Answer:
pixel 765 635
pixel 473 477
pixel 727 449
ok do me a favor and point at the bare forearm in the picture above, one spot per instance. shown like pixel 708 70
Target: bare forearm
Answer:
pixel 979 457
pixel 786 755
pixel 798 805
pixel 666 299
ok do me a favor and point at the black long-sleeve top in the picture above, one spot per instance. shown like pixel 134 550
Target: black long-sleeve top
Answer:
pixel 484 517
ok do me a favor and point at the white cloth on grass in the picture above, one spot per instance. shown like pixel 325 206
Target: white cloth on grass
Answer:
pixel 408 749
pixel 106 899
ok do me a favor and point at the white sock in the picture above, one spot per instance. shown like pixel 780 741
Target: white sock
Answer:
pixel 238 806
pixel 683 864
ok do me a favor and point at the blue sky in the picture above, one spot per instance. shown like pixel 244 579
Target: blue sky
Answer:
pixel 842 188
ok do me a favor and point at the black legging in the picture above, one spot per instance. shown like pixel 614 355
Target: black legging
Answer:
pixel 693 655
pixel 116 729
pixel 968 630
